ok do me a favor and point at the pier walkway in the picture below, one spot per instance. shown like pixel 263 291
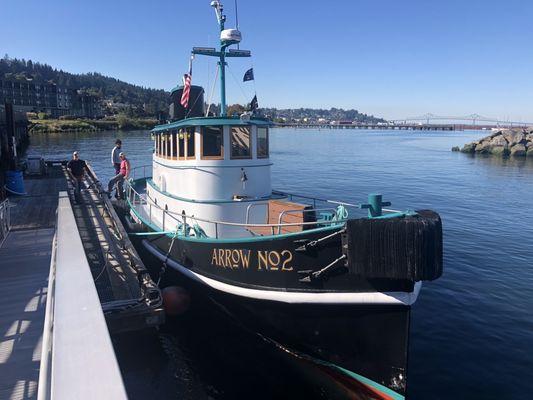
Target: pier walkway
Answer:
pixel 69 278
pixel 24 266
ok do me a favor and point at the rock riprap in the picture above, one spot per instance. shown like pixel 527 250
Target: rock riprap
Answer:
pixel 505 142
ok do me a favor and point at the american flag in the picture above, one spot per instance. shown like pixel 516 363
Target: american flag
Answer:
pixel 186 87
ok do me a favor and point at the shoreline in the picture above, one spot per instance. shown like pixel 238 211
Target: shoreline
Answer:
pixel 90 125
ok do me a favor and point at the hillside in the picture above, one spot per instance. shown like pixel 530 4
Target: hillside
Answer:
pixel 143 101
pixel 313 115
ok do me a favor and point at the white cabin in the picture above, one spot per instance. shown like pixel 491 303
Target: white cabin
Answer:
pixel 216 169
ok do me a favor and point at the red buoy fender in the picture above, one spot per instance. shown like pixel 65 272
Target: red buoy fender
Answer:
pixel 176 300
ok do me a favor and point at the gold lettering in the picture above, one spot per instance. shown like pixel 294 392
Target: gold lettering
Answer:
pixel 214 259
pixel 262 259
pixel 245 259
pixel 228 258
pixel 221 258
pixel 274 262
pixel 288 260
pixel 236 259
pixel 240 258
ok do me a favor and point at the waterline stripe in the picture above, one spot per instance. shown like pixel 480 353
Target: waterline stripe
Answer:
pixel 371 383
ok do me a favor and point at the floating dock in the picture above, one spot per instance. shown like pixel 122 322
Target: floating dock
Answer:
pixel 70 278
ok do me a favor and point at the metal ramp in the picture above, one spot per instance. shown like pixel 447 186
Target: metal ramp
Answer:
pixel 129 297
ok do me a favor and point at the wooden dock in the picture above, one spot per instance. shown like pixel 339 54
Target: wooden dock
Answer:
pixel 129 298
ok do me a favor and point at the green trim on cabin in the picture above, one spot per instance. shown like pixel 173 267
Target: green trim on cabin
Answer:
pixel 234 240
pixel 209 166
pixel 211 121
pixel 152 184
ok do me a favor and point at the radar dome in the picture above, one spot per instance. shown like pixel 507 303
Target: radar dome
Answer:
pixel 230 36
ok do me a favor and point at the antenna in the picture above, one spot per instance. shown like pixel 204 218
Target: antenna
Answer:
pixel 237 20
pixel 228 37
pixel 236 15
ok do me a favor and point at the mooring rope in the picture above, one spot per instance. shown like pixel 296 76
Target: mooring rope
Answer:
pixel 164 267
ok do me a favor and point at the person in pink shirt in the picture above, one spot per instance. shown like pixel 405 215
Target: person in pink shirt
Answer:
pixel 118 180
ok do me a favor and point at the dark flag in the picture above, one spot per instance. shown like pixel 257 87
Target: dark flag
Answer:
pixel 253 104
pixel 186 87
pixel 248 75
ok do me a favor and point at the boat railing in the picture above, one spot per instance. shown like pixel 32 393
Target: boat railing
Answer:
pixel 5 219
pixel 315 200
pixel 333 211
pixel 252 205
pixel 178 222
pixel 141 172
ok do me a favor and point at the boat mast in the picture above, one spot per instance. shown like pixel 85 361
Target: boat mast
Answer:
pixel 221 18
pixel 227 38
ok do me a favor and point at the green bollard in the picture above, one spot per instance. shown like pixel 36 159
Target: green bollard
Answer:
pixel 375 205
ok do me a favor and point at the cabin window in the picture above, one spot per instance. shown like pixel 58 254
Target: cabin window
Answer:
pixel 174 145
pixel 164 145
pixel 240 142
pixel 212 142
pixel 167 145
pixel 181 143
pixel 190 142
pixel 262 142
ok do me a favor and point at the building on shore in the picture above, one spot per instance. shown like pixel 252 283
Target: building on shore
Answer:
pixel 85 105
pixel 30 96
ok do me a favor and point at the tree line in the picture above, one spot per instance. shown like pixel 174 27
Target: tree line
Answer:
pixel 140 100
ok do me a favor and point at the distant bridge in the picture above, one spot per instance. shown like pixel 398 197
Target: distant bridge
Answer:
pixel 381 126
pixel 473 119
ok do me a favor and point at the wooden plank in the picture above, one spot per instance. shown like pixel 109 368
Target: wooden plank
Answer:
pixel 275 208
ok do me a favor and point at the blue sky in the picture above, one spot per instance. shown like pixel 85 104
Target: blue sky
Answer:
pixel 392 58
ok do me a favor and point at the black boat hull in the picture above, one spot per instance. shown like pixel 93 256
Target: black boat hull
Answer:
pixel 340 330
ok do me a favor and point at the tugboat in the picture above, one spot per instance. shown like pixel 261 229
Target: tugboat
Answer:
pixel 328 281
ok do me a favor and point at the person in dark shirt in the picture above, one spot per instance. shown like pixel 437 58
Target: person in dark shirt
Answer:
pixel 76 169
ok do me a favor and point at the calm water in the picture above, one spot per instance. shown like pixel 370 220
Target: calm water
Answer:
pixel 472 330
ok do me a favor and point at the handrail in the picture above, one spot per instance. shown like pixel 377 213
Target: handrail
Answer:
pixel 253 205
pixel 75 324
pixel 45 376
pixel 132 194
pixel 281 214
pixel 133 171
pixel 181 218
pixel 279 192
pixel 315 199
